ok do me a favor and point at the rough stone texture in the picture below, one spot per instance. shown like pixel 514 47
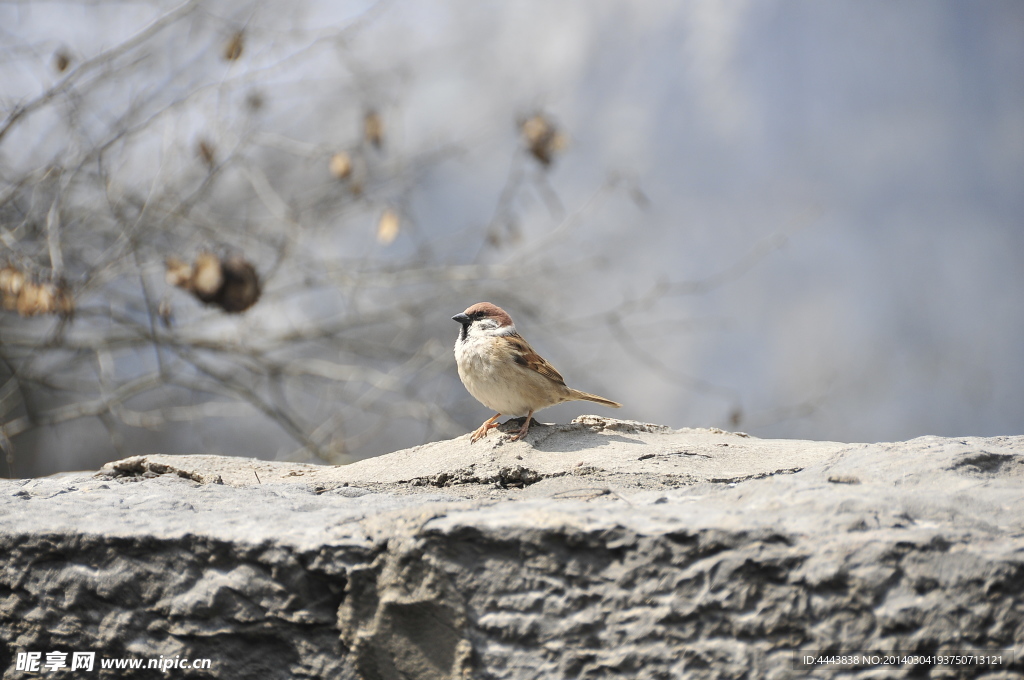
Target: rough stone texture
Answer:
pixel 600 549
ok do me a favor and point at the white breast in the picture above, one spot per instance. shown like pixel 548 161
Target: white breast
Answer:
pixel 495 383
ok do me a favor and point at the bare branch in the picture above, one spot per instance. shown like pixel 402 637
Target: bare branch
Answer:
pixel 92 64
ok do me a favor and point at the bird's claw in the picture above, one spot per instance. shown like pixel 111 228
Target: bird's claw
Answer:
pixel 522 430
pixel 481 432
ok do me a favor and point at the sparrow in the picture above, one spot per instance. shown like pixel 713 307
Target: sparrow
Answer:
pixel 502 372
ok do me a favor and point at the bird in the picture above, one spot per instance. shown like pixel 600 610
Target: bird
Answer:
pixel 502 372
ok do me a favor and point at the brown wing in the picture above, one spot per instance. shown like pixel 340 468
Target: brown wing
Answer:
pixel 524 355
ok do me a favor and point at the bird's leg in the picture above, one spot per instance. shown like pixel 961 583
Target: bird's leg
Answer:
pixel 524 429
pixel 481 431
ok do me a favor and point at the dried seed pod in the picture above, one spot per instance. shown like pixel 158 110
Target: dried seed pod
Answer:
pixel 61 60
pixel 178 273
pixel 535 129
pixel 341 165
pixel 206 152
pixel 387 227
pixel 46 299
pixel 543 139
pixel 233 50
pixel 373 128
pixel 31 299
pixel 207 276
pixel 241 288
pixel 231 284
pixel 255 101
pixel 11 281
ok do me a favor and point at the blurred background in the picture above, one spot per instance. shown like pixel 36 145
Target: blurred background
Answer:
pixel 242 228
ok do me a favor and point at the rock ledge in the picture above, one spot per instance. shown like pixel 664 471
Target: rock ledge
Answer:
pixel 598 549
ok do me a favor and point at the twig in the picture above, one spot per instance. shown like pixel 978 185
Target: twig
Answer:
pixel 90 64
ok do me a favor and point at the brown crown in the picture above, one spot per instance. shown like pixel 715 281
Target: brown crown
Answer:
pixel 486 309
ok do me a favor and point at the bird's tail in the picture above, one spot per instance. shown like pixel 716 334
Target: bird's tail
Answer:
pixel 583 396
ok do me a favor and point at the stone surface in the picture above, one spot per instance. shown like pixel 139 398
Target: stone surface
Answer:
pixel 599 549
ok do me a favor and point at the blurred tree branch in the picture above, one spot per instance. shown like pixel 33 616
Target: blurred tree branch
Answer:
pixel 94 63
pixel 160 167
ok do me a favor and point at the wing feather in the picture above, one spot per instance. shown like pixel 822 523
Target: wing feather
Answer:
pixel 524 355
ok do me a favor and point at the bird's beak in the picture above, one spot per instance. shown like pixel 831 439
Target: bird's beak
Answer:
pixel 462 318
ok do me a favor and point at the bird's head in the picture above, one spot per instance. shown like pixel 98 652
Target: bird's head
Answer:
pixel 484 318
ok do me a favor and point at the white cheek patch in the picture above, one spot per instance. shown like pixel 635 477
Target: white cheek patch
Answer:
pixel 491 328
pixel 486 324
